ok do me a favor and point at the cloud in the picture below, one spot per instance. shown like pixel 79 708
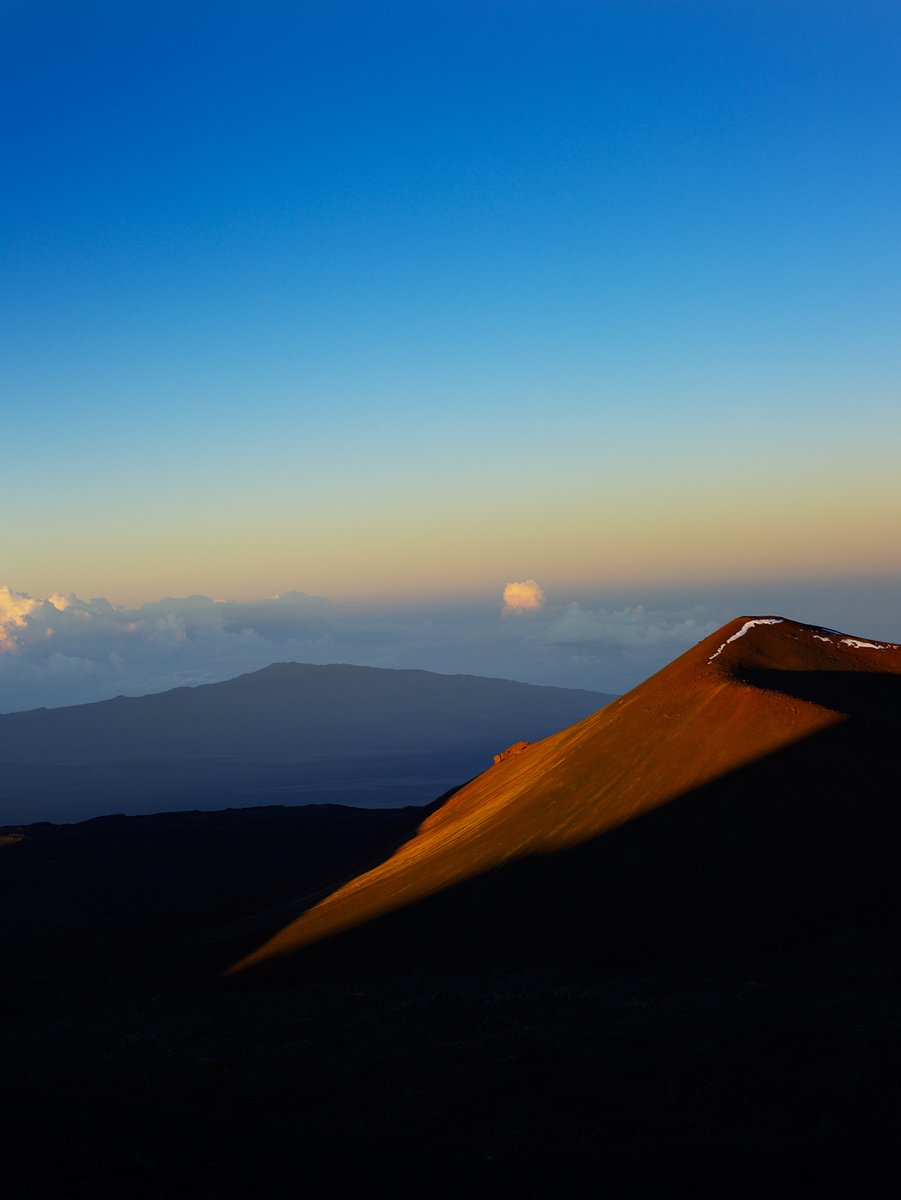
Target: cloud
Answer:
pixel 628 629
pixel 65 650
pixel 14 611
pixel 524 597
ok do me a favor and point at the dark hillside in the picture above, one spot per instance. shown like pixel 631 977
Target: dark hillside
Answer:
pixel 654 955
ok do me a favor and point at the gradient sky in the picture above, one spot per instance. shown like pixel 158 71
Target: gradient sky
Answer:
pixel 382 301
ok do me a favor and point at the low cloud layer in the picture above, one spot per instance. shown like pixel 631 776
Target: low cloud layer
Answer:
pixel 64 650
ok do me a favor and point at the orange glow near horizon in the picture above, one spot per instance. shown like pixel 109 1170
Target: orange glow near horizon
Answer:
pixel 690 530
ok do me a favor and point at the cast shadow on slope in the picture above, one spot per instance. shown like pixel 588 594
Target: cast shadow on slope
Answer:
pixel 157 897
pixel 870 696
pixel 796 848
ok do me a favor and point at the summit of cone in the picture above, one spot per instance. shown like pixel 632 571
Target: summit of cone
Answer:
pixel 750 694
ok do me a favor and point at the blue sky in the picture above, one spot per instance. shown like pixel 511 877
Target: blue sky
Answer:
pixel 393 300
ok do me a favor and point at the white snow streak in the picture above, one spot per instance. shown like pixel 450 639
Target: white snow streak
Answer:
pixel 822 636
pixel 741 633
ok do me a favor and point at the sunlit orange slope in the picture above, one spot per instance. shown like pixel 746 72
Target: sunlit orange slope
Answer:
pixel 711 712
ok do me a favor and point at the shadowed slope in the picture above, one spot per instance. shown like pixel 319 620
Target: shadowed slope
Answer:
pixel 723 727
pixel 166 896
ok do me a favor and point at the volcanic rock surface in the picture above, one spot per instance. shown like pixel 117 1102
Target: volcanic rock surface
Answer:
pixel 744 790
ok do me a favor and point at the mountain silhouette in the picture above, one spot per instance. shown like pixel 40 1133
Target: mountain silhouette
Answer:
pixel 290 733
pixel 742 796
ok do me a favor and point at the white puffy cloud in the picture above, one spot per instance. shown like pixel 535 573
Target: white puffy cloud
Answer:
pixel 15 609
pixel 64 650
pixel 524 597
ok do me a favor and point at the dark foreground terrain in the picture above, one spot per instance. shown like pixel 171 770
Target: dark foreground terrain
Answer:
pixel 131 1069
pixel 656 954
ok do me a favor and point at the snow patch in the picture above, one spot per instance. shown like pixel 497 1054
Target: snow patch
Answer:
pixel 854 643
pixel 741 633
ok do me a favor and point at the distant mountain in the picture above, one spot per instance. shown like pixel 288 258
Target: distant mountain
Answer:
pixel 291 733
pixel 745 795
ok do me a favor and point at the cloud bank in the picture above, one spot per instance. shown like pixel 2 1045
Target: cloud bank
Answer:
pixel 65 650
pixel 62 649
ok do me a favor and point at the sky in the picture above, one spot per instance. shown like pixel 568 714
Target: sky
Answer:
pixel 394 304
